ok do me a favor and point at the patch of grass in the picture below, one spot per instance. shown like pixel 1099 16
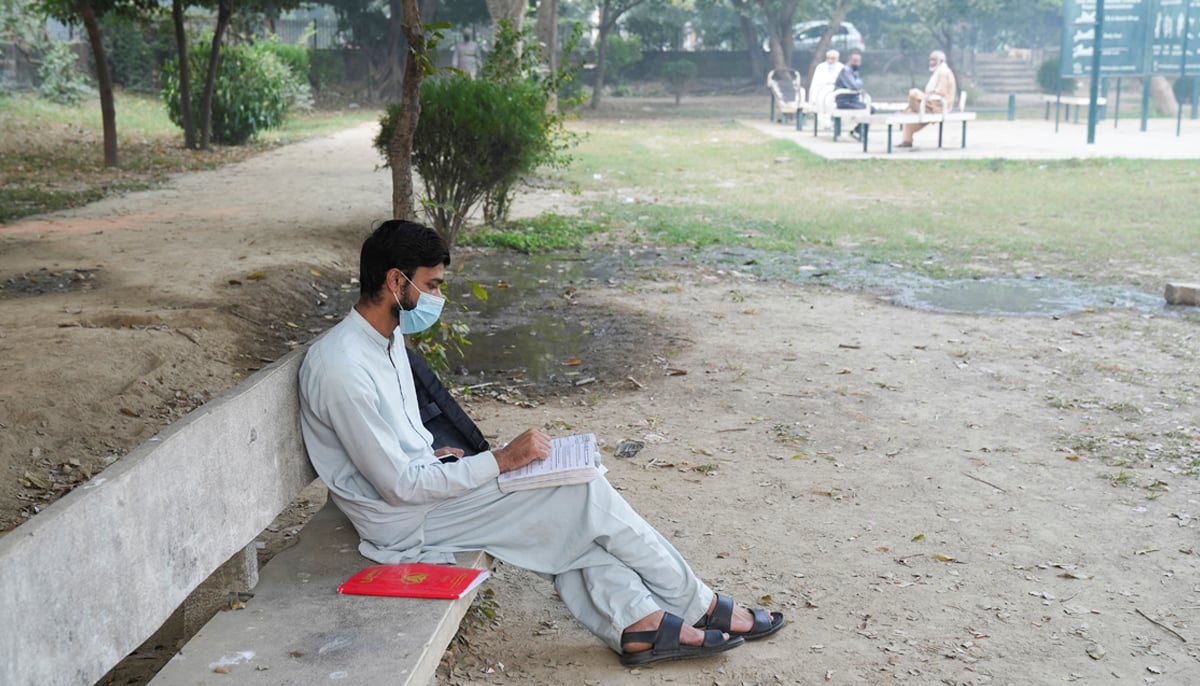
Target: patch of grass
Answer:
pixel 51 156
pixel 700 182
pixel 543 233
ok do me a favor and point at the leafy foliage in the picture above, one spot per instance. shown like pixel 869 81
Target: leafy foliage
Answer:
pixel 623 53
pixel 473 135
pixel 136 48
pixel 1047 77
pixel 678 74
pixel 254 90
pixel 297 89
pixel 544 233
pixel 61 79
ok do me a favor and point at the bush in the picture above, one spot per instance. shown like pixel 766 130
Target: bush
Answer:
pixel 299 91
pixel 622 54
pixel 1047 77
pixel 136 50
pixel 253 90
pixel 61 79
pixel 326 67
pixel 473 136
pixel 678 74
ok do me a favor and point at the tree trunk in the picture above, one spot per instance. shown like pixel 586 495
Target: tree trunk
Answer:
pixel 758 65
pixel 818 56
pixel 1163 96
pixel 512 10
pixel 401 146
pixel 779 32
pixel 547 35
pixel 601 53
pixel 108 112
pixel 185 76
pixel 224 11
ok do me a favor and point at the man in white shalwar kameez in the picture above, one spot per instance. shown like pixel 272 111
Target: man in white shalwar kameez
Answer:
pixel 617 575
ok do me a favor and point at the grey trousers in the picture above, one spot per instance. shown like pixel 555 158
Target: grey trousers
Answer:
pixel 610 567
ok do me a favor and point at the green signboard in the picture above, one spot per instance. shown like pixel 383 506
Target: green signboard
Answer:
pixel 1140 37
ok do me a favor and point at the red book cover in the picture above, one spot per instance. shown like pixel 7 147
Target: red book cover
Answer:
pixel 415 580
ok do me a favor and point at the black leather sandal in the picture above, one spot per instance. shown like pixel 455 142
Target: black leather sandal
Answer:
pixel 665 645
pixel 722 616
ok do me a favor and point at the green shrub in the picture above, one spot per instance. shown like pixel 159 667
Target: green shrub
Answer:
pixel 253 90
pixel 326 67
pixel 298 89
pixel 61 79
pixel 622 54
pixel 472 136
pixel 678 74
pixel 1047 76
pixel 543 233
pixel 136 50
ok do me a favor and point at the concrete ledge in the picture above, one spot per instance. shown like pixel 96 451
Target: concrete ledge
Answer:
pixel 86 581
pixel 298 630
pixel 1183 294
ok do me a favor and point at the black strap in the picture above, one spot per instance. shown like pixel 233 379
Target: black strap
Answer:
pixel 441 413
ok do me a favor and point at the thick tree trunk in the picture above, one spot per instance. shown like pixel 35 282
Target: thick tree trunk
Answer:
pixel 185 76
pixel 400 147
pixel 1163 96
pixel 547 35
pixel 108 112
pixel 512 10
pixel 779 32
pixel 818 56
pixel 224 12
pixel 601 54
pixel 758 65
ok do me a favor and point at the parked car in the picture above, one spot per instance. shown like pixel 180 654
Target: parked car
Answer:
pixel 806 35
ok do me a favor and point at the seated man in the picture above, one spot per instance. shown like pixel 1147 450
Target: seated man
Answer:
pixel 823 78
pixel 941 84
pixel 362 426
pixel 849 80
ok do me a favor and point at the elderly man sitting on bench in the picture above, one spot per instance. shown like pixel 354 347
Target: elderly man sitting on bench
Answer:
pixel 362 425
pixel 937 97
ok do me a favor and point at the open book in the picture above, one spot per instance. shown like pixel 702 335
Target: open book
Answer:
pixel 572 460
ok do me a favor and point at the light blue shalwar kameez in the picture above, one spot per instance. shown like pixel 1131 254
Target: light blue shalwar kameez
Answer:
pixel 363 431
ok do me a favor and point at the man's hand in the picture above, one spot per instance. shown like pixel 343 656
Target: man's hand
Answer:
pixel 529 446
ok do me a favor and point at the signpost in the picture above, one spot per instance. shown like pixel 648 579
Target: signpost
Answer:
pixel 1130 38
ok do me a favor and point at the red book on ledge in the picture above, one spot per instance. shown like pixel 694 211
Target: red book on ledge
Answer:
pixel 415 580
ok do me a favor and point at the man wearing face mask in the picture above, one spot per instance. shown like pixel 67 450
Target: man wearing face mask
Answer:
pixel 361 422
pixel 849 80
pixel 941 84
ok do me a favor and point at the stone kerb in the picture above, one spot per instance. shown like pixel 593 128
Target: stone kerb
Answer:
pixel 86 581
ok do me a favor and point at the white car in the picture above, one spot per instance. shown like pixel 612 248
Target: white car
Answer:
pixel 806 35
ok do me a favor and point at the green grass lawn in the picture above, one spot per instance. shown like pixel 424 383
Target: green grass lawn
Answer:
pixel 690 181
pixel 51 156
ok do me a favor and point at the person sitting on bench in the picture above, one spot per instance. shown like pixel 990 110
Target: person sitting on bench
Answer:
pixel 938 95
pixel 849 80
pixel 362 425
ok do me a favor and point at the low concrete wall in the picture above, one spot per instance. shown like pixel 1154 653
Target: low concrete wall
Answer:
pixel 86 581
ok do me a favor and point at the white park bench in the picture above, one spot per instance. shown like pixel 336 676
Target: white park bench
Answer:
pixel 845 117
pixel 1067 101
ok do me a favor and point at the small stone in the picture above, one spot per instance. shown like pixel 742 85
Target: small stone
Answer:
pixel 1095 651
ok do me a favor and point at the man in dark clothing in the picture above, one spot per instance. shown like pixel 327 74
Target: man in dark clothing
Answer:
pixel 849 80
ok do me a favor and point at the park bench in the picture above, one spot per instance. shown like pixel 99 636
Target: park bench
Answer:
pixel 1067 101
pixel 171 528
pixel 894 119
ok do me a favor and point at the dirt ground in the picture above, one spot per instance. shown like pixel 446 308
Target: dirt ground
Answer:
pixel 930 498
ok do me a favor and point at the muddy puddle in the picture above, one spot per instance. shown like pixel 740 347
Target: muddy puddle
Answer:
pixel 530 330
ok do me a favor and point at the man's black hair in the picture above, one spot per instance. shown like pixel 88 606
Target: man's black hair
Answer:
pixel 398 244
pixel 854 51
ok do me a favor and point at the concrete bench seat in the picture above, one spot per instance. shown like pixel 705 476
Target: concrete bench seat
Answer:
pixel 1067 101
pixel 169 531
pixel 298 630
pixel 848 117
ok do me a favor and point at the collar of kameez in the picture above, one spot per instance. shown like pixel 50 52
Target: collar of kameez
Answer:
pixel 384 342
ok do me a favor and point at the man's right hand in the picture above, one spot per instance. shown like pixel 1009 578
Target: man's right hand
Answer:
pixel 529 446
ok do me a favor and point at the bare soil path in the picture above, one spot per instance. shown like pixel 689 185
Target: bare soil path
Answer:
pixel 930 498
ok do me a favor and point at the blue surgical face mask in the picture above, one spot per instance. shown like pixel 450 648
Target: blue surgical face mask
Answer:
pixel 424 315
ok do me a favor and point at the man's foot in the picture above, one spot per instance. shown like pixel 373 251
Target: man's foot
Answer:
pixel 737 621
pixel 904 144
pixel 662 637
